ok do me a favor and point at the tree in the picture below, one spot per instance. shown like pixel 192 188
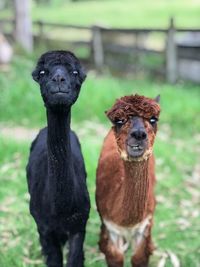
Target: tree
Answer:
pixel 23 24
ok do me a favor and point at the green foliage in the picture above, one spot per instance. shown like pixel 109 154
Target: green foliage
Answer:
pixel 20 94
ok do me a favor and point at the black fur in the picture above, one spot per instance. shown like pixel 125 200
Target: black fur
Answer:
pixel 55 172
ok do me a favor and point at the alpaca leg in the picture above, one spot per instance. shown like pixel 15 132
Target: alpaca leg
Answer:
pixel 142 253
pixel 114 257
pixel 76 254
pixel 51 249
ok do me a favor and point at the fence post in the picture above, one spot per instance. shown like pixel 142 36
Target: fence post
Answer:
pixel 13 22
pixel 23 24
pixel 171 54
pixel 97 45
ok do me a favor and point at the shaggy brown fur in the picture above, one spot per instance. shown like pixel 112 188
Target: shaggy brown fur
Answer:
pixel 136 105
pixel 125 184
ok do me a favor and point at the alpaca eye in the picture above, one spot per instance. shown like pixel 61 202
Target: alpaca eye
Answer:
pixel 75 72
pixel 153 120
pixel 119 122
pixel 42 72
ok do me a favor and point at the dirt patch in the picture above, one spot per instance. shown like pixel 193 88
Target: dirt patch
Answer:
pixel 18 133
pixel 26 134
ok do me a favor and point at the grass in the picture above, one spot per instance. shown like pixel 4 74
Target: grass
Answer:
pixel 138 13
pixel 15 109
pixel 132 13
pixel 177 152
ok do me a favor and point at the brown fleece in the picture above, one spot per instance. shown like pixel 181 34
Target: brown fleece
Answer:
pixel 134 105
pixel 124 190
pixel 124 187
pixel 135 194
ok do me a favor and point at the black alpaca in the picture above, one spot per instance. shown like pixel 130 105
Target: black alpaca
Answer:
pixel 56 173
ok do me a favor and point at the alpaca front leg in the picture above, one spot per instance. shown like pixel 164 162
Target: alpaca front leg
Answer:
pixel 142 253
pixel 52 250
pixel 76 254
pixel 114 257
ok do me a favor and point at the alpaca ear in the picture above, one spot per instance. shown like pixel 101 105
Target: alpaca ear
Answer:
pixel 35 75
pixel 82 74
pixel 108 116
pixel 157 99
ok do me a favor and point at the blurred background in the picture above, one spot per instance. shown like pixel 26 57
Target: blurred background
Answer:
pixel 127 47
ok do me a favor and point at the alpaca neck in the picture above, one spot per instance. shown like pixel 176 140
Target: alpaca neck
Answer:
pixel 135 191
pixel 60 167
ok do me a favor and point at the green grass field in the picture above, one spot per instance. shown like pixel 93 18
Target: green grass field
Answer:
pixel 116 13
pixel 177 151
pixel 126 13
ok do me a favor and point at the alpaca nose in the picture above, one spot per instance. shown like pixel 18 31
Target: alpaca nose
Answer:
pixel 139 134
pixel 58 78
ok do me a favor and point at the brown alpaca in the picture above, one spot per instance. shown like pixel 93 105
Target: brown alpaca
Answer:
pixel 125 181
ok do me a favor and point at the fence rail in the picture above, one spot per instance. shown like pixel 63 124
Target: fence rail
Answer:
pixel 148 49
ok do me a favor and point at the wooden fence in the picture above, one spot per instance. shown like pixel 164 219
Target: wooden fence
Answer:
pixel 131 51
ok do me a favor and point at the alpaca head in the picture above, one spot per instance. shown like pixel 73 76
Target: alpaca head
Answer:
pixel 60 75
pixel 134 121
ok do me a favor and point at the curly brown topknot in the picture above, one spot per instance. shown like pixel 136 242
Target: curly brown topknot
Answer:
pixel 134 105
